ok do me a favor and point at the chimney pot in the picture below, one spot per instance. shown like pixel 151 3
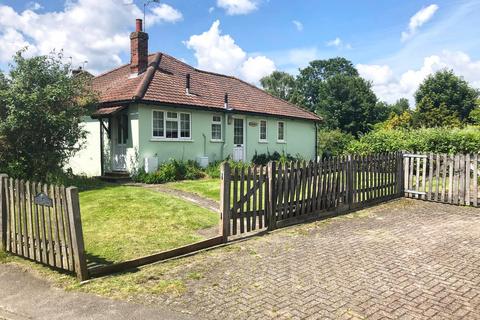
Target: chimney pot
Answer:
pixel 138 25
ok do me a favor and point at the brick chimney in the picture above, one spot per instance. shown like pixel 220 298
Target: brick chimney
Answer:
pixel 138 49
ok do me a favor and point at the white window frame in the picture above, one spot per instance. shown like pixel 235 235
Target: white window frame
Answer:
pixel 221 128
pixel 284 131
pixel 179 126
pixel 260 131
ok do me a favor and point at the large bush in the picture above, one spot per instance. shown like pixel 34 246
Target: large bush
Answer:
pixel 41 110
pixel 438 140
pixel 332 142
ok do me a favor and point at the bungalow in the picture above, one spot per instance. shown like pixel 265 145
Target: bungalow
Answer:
pixel 157 108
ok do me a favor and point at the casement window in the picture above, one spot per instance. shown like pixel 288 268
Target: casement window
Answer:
pixel 263 131
pixel 216 128
pixel 281 131
pixel 171 125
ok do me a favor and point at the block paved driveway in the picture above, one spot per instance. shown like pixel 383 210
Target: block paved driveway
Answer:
pixel 405 259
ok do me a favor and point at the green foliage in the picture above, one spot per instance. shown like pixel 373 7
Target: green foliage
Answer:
pixel 349 104
pixel 213 169
pixel 310 80
pixel 474 116
pixel 264 158
pixel 41 108
pixel 439 140
pixel 398 121
pixel 444 99
pixel 279 84
pixel 173 170
pixel 332 142
pixel 400 106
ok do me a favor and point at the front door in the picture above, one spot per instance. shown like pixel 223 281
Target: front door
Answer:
pixel 238 139
pixel 119 160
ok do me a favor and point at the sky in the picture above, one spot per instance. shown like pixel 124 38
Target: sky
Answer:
pixel 393 44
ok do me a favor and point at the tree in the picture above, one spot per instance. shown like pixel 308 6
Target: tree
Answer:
pixel 444 96
pixel 348 103
pixel 400 106
pixel 311 79
pixel 280 84
pixel 43 107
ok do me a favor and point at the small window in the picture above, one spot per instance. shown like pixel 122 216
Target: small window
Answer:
pixel 263 130
pixel 171 126
pixel 281 131
pixel 185 125
pixel 158 125
pixel 217 128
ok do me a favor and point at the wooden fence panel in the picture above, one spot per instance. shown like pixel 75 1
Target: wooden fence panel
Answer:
pixel 286 193
pixel 451 178
pixel 42 223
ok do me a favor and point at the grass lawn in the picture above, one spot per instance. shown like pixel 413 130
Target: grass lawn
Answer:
pixel 207 188
pixel 123 222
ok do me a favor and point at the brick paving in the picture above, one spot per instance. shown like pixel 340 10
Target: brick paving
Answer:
pixel 406 259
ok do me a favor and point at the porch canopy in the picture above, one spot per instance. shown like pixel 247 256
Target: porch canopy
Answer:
pixel 107 112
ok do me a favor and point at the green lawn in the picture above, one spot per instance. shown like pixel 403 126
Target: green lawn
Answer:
pixel 208 188
pixel 122 222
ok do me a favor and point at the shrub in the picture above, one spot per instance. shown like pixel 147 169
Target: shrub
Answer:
pixel 170 171
pixel 332 142
pixel 438 140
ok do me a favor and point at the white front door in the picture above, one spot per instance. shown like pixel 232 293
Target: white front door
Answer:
pixel 238 139
pixel 119 159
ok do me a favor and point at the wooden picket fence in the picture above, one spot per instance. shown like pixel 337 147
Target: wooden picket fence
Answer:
pixel 259 198
pixel 442 178
pixel 42 223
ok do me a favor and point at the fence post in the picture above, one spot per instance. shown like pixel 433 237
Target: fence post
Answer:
pixel 225 176
pixel 3 212
pixel 271 211
pixel 400 174
pixel 350 186
pixel 78 246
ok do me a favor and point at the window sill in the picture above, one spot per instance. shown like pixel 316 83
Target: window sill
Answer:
pixel 263 142
pixel 170 140
pixel 281 142
pixel 216 141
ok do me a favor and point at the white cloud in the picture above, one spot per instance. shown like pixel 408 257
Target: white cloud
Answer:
pixel 164 13
pixel 298 25
pixel 86 30
pixel 339 44
pixel 418 19
pixel 256 68
pixel 390 88
pixel 375 73
pixel 211 9
pixel 34 6
pixel 237 7
pixel 219 53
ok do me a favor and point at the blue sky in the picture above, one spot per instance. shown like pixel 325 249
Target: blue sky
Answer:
pixel 250 38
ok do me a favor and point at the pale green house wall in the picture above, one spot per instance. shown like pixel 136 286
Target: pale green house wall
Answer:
pixel 299 139
pixel 299 136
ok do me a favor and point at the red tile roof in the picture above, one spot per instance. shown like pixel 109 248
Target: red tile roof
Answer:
pixel 165 82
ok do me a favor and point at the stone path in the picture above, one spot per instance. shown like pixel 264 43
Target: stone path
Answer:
pixel 405 259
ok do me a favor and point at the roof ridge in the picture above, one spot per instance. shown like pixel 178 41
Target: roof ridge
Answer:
pixel 147 78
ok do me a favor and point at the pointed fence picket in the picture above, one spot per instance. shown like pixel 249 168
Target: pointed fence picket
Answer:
pixel 46 232
pixel 282 194
pixel 442 178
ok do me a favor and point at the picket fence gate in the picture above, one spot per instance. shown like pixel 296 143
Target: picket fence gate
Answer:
pixel 273 196
pixel 42 223
pixel 442 178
